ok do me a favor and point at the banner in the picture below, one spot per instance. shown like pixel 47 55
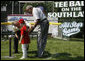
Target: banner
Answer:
pixel 70 28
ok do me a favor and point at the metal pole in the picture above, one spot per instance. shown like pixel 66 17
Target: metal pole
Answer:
pixel 10 46
pixel 19 7
pixel 12 7
pixel 53 6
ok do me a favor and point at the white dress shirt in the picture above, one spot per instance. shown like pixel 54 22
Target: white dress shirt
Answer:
pixel 38 14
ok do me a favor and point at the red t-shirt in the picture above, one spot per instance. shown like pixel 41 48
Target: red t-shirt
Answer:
pixel 26 38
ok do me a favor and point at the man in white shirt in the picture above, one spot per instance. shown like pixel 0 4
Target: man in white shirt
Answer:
pixel 43 9
pixel 40 19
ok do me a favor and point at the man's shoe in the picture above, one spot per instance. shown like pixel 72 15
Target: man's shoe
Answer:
pixel 40 56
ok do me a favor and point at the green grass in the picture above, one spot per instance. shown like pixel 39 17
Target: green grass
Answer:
pixel 55 50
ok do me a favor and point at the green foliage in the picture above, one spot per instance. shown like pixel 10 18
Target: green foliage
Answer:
pixel 3 3
pixel 47 5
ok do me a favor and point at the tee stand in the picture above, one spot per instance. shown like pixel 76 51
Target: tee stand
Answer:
pixel 10 55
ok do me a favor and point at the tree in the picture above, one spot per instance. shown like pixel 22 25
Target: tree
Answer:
pixel 47 5
pixel 3 3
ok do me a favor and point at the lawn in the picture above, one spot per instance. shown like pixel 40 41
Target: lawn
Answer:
pixel 55 50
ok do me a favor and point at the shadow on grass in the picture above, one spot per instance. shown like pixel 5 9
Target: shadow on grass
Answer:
pixel 60 56
pixel 66 56
pixel 46 54
pixel 76 39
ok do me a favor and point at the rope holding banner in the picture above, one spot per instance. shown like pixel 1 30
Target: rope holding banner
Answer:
pixel 10 23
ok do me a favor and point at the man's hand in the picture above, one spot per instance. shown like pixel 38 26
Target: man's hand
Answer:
pixel 36 23
pixel 31 30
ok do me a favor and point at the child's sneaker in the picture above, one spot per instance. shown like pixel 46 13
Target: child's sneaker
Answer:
pixel 22 57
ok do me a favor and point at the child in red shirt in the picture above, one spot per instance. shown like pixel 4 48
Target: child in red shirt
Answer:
pixel 24 39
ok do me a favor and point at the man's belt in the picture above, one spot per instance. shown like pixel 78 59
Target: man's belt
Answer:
pixel 43 19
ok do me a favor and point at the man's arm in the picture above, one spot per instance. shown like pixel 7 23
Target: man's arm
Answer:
pixel 36 23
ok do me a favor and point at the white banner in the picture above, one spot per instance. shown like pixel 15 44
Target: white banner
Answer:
pixel 19 16
pixel 70 28
pixel 29 18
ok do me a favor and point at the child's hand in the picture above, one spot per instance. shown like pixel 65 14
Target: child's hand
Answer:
pixel 19 42
pixel 16 36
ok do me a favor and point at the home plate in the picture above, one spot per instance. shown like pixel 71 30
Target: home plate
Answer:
pixel 8 56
